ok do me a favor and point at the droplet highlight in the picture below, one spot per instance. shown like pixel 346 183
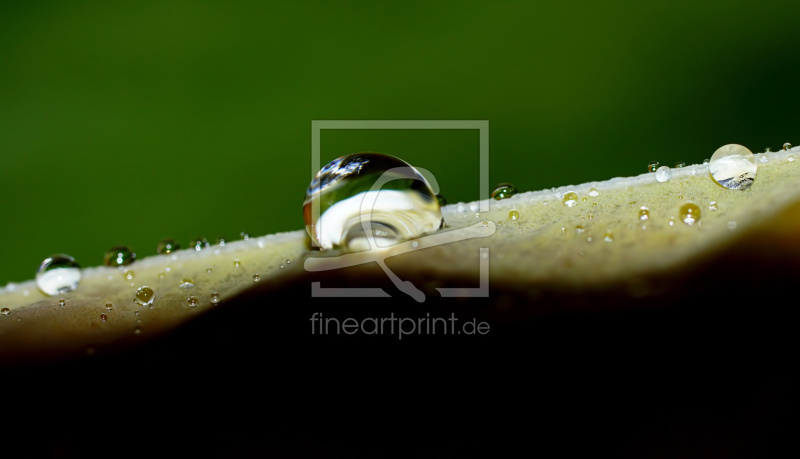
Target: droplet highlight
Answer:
pixel 644 213
pixel 167 246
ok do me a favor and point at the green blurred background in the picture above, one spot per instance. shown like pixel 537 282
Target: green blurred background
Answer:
pixel 128 122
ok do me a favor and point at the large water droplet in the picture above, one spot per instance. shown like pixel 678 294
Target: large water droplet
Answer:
pixel 58 274
pixel 787 146
pixel 215 298
pixel 690 213
pixel 503 191
pixel 369 200
pixel 119 255
pixel 644 213
pixel 663 174
pixel 192 301
pixel 594 193
pixel 144 295
pixel 186 283
pixel 653 166
pixel 168 246
pixel 733 166
pixel 570 199
pixel 5 311
pixel 680 164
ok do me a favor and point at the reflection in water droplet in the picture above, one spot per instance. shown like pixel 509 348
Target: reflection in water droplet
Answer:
pixel 128 275
pixel 680 164
pixel 256 278
pixel 167 246
pixel 236 263
pixel 733 166
pixel 103 317
pixel 663 173
pixel 644 213
pixel 186 283
pixel 787 146
pixel 58 274
pixel 5 311
pixel 109 306
pixel 578 229
pixel 369 200
pixel 570 199
pixel 608 236
pixel 215 298
pixel 503 191
pixel 192 300
pixel 513 215
pixel 653 166
pixel 199 243
pixel 120 255
pixel 144 295
pixel 61 302
pixel 690 213
pixel 713 205
pixel 594 193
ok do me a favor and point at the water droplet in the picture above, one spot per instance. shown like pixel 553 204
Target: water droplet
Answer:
pixel 119 255
pixel 208 270
pixel 767 150
pixel 570 199
pixel 215 298
pixel 474 207
pixel 787 146
pixel 61 302
pixel 220 241
pixel 671 221
pixel 137 331
pixel 653 166
pixel 584 199
pixel 461 208
pixel 58 274
pixel 680 196
pixel 544 203
pixel 578 229
pixel 764 159
pixel 503 191
pixel 167 246
pixel 680 164
pixel 256 278
pixel 485 224
pixel 244 236
pixel 369 200
pixel 288 261
pixel 706 161
pixel 109 306
pixel 192 300
pixel 731 225
pixel 733 166
pixel 790 159
pixel 236 263
pixel 563 230
pixel 513 215
pixel 281 266
pixel 644 213
pixel 442 200
pixel 128 275
pixel 103 317
pixel 162 275
pixel 186 283
pixel 663 173
pixel 199 243
pixel 144 295
pixel 5 311
pixel 608 236
pixel 690 213
pixel 594 204
pixel 713 205
pixel 594 193
pixel 589 239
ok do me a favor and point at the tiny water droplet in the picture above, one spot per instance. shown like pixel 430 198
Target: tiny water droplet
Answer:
pixel 144 295
pixel 594 193
pixel 103 317
pixel 544 203
pixel 199 243
pixel 244 236
pixel 503 191
pixel 594 204
pixel 731 225
pixel 215 298
pixel 767 150
pixel 787 146
pixel 461 208
pixel 137 331
pixel 764 159
pixel 369 200
pixel 220 241
pixel 680 196
pixel 733 166
pixel 584 199
pixel 208 270
pixel 608 236
pixel 513 215
pixel 281 266
pixel 192 300
pixel 713 205
pixel 644 213
pixel 186 283
pixel 589 239
pixel 109 306
pixel 120 255
pixel 563 230
pixel 653 166
pixel 790 159
pixel 442 200
pixel 680 164
pixel 415 244
pixel 256 278
pixel 61 302
pixel 128 275
pixel 570 199
pixel 499 223
pixel 236 263
pixel 578 229
pixel 162 275
pixel 663 174
pixel 5 311
pixel 485 224
pixel 590 217
pixel 671 221
pixel 167 246
pixel 706 161
pixel 690 213
pixel 58 274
